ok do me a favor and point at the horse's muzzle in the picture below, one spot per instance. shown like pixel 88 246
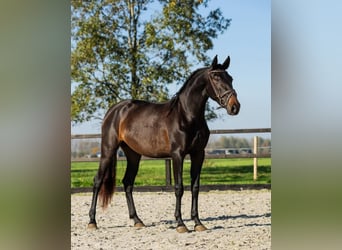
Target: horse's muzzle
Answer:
pixel 233 105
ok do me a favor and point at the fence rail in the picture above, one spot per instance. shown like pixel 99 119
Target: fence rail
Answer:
pixel 214 131
pixel 255 155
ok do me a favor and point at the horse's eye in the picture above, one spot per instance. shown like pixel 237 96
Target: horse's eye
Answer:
pixel 216 76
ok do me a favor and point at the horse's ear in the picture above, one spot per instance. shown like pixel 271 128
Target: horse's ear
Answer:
pixel 226 63
pixel 214 63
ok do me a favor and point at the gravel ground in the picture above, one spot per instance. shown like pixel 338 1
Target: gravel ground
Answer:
pixel 235 219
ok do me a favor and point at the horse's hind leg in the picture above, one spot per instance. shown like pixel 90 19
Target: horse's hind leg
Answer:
pixel 103 179
pixel 133 160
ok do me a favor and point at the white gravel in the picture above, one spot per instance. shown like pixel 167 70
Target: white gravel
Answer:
pixel 235 219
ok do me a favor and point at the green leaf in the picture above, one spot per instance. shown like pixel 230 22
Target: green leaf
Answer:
pixel 119 51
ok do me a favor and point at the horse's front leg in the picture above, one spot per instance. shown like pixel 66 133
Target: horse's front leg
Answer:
pixel 179 191
pixel 196 166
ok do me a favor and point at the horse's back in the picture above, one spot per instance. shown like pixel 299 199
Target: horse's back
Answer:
pixel 132 109
pixel 142 125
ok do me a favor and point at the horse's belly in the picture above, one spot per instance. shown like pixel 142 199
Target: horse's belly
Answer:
pixel 150 144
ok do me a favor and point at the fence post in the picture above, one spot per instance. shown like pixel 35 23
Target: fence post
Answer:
pixel 255 163
pixel 168 172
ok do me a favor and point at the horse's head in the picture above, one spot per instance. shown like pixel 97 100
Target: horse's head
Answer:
pixel 221 88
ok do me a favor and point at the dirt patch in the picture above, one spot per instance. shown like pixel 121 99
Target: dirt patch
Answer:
pixel 235 219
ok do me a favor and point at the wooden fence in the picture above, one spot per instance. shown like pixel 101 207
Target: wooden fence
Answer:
pixel 255 155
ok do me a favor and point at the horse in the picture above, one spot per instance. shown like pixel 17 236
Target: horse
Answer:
pixel 170 129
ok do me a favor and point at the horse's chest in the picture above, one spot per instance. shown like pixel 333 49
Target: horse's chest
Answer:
pixel 200 139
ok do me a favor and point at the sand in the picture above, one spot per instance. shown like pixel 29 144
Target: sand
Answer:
pixel 235 220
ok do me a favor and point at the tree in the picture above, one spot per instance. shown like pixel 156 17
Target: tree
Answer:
pixel 265 145
pixel 121 50
pixel 231 142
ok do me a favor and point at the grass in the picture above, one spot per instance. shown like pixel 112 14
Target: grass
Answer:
pixel 152 172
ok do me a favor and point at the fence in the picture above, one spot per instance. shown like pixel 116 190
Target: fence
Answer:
pixel 255 155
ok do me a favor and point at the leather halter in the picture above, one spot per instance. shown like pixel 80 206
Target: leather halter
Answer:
pixel 219 95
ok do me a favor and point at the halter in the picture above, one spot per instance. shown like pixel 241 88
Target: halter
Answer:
pixel 218 95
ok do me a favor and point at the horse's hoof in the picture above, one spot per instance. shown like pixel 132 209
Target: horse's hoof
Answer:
pixel 182 229
pixel 200 228
pixel 139 225
pixel 92 226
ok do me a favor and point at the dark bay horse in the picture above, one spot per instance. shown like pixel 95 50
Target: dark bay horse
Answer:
pixel 171 129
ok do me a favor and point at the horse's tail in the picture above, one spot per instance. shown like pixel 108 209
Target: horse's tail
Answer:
pixel 109 147
pixel 108 183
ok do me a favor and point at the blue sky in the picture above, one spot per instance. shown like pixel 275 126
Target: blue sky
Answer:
pixel 248 43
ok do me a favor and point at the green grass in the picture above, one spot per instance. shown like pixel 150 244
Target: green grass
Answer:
pixel 152 172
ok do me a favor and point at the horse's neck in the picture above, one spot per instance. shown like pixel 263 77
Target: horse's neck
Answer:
pixel 193 97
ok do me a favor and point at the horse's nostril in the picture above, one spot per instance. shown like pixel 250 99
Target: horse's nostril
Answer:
pixel 234 108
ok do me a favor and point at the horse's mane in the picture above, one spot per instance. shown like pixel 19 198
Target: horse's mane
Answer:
pixel 175 97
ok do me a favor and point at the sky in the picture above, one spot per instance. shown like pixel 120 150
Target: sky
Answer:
pixel 248 43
